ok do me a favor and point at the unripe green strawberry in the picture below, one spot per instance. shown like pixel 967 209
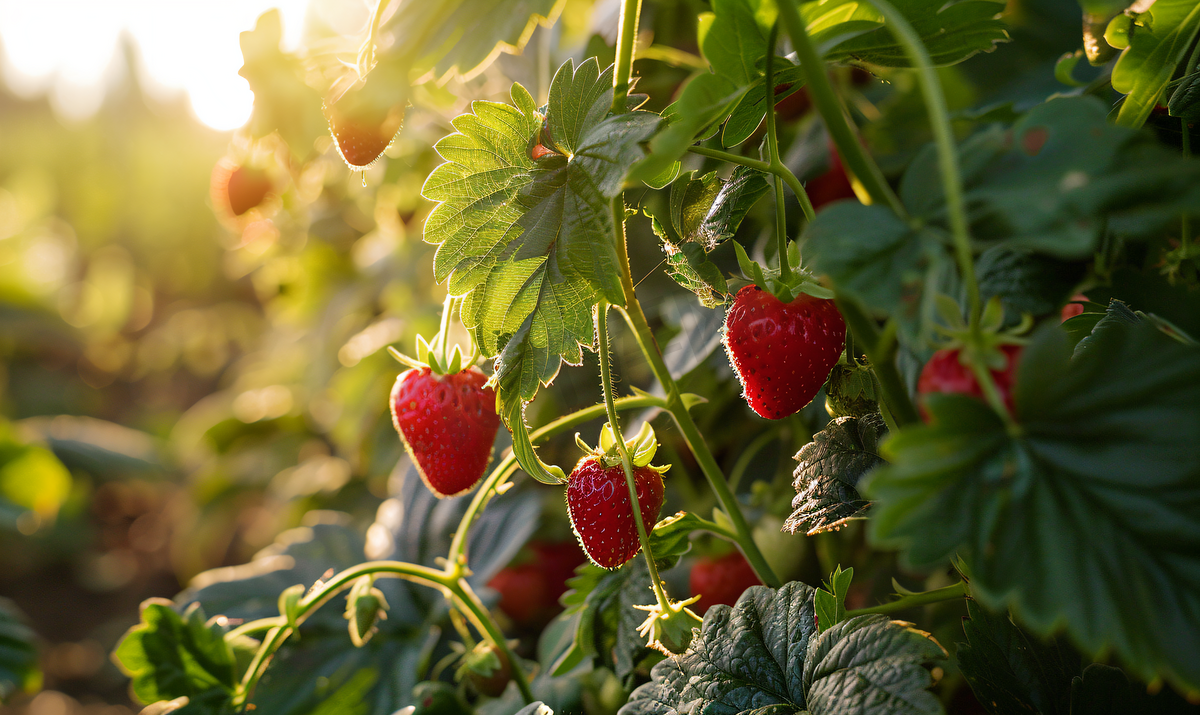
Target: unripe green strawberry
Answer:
pixel 598 504
pixel 365 606
pixel 782 352
pixel 448 424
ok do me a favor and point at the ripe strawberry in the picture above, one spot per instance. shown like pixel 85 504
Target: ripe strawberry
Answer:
pixel 362 137
pixel 782 352
pixel 447 423
pixel 945 373
pixel 598 504
pixel 721 579
pixel 1074 307
pixel 235 188
pixel 529 592
pixel 831 186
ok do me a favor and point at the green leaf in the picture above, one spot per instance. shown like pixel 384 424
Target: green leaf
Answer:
pixel 464 37
pixel 1104 690
pixel 170 656
pixel 669 537
pixel 608 621
pixel 869 665
pixel 19 671
pixel 530 246
pixel 830 602
pixel 1185 101
pixel 1026 282
pixel 751 109
pixel 950 31
pixel 828 473
pixel 31 477
pixel 1088 519
pixel 1159 41
pixel 705 102
pixel 1011 671
pixel 870 253
pixel 763 655
pixel 689 266
pixel 283 102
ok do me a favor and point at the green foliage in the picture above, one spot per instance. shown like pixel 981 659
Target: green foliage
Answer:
pixel 764 655
pixel 31 480
pixel 19 671
pixel 830 602
pixel 1097 482
pixel 531 246
pixel 828 471
pixel 282 101
pixel 1159 42
pixel 170 656
pixel 1185 100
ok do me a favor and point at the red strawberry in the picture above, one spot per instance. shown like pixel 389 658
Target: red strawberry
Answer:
pixel 529 592
pixel 945 373
pixel 782 352
pixel 598 504
pixel 831 186
pixel 793 106
pixel 448 423
pixel 721 579
pixel 362 137
pixel 1074 307
pixel 236 189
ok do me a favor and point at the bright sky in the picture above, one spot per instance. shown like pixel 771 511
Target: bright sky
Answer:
pixel 70 50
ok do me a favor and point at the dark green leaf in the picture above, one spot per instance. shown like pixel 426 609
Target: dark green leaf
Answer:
pixel 1089 517
pixel 1026 282
pixel 1104 690
pixel 752 108
pixel 608 623
pixel 828 472
pixel 873 255
pixel 1185 101
pixel 19 671
pixel 530 245
pixel 170 656
pixel 688 264
pixel 763 655
pixel 950 31
pixel 1012 672
pixel 870 665
pixel 699 335
pixel 1158 42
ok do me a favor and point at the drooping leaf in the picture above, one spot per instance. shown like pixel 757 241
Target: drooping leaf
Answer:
pixel 530 245
pixel 1011 671
pixel 1089 517
pixel 169 656
pixel 464 37
pixel 751 109
pixel 828 473
pixel 688 264
pixel 764 655
pixel 19 671
pixel 1158 42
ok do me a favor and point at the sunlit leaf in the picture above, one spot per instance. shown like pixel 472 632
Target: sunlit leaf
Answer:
pixel 828 471
pixel 1159 41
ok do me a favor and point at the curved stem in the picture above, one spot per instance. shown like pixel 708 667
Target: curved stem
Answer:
pixel 626 39
pixel 464 594
pixel 836 122
pixel 508 465
pixel 883 362
pixel 938 595
pixel 679 411
pixel 261 624
pixel 939 120
pixel 626 461
pixel 776 169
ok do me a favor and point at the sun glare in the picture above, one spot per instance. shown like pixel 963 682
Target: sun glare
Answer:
pixel 69 50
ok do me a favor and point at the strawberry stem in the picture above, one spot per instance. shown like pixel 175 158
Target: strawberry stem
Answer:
pixel 938 595
pixel 610 407
pixel 631 10
pixel 785 270
pixel 837 123
pixel 882 357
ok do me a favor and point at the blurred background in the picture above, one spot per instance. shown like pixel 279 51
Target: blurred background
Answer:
pixel 182 381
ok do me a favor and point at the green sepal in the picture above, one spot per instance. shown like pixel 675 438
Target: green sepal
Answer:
pixel 405 359
pixel 365 606
pixel 802 282
pixel 1064 68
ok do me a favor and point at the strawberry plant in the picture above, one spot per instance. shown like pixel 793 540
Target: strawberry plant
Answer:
pixel 888 251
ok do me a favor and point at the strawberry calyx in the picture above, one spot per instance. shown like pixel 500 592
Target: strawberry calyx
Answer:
pixel 436 355
pixel 641 448
pixel 785 288
pixel 981 345
pixel 670 629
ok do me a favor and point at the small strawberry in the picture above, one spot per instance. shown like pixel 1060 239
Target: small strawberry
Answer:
pixel 448 423
pixel 1074 307
pixel 721 579
pixel 946 372
pixel 598 498
pixel 782 352
pixel 831 186
pixel 236 188
pixel 487 669
pixel 362 138
pixel 529 591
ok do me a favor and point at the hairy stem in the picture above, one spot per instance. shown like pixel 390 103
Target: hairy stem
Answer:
pixel 882 357
pixel 785 268
pixel 678 409
pixel 627 37
pixel 626 461
pixel 938 595
pixel 837 123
